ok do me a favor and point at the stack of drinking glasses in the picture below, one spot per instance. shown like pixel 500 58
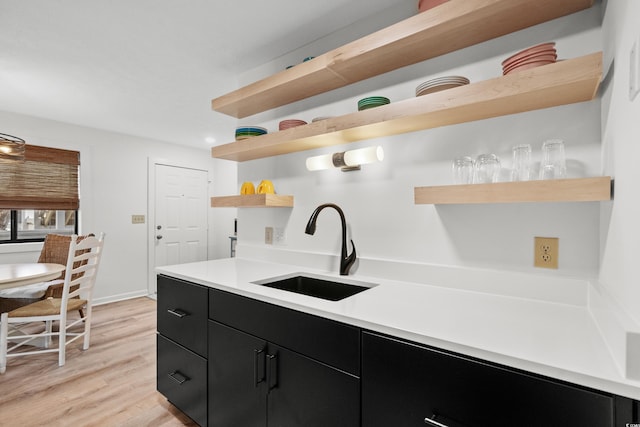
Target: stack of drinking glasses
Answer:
pixel 521 163
pixel 553 165
pixel 486 167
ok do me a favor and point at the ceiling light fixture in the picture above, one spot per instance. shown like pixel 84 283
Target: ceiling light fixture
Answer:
pixel 346 160
pixel 11 148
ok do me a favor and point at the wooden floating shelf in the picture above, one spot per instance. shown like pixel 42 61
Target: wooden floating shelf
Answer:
pixel 556 190
pixel 253 201
pixel 561 83
pixel 449 27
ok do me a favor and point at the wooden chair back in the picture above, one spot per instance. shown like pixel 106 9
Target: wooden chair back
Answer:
pixel 56 250
pixel 82 263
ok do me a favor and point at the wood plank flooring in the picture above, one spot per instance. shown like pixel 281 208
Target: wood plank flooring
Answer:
pixel 111 384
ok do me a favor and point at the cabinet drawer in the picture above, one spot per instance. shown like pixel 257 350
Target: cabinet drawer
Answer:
pixel 404 383
pixel 327 341
pixel 182 379
pixel 182 313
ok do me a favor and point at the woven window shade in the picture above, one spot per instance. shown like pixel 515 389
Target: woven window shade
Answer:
pixel 47 179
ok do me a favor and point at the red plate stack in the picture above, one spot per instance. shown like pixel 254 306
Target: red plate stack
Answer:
pixel 424 5
pixel 534 56
pixel 291 123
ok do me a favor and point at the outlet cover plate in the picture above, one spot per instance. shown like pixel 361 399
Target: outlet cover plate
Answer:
pixel 268 235
pixel 279 236
pixel 546 252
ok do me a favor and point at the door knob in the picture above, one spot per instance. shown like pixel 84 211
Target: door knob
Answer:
pixel 159 236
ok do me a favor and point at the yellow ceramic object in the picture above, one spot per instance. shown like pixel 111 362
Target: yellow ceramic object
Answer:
pixel 247 188
pixel 266 187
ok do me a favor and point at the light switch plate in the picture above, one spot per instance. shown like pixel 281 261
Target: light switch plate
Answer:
pixel 137 219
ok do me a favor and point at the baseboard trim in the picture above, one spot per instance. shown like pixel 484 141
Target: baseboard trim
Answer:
pixel 120 297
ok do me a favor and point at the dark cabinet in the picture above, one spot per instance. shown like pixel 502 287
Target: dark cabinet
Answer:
pixel 182 379
pixel 237 377
pixel 405 383
pixel 305 392
pixel 331 342
pixel 182 313
pixel 226 360
pixel 182 346
pixel 255 381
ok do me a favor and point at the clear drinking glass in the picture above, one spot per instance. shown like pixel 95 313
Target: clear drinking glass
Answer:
pixel 521 162
pixel 487 168
pixel 553 165
pixel 463 170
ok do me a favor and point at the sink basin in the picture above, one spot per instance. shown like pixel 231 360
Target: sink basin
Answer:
pixel 316 286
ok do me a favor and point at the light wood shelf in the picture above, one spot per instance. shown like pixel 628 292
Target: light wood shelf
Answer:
pixel 449 27
pixel 253 201
pixel 564 82
pixel 556 190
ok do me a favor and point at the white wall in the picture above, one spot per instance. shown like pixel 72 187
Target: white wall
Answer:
pixel 378 201
pixel 113 186
pixel 596 239
pixel 621 150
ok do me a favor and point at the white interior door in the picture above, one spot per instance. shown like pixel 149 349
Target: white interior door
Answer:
pixel 181 208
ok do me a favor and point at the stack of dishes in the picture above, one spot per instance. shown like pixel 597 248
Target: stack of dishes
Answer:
pixel 429 4
pixel 440 83
pixel 291 123
pixel 531 57
pixel 245 132
pixel 372 102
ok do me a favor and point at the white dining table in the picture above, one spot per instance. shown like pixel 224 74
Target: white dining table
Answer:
pixel 14 275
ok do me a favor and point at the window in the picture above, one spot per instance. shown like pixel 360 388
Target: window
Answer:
pixel 29 225
pixel 40 195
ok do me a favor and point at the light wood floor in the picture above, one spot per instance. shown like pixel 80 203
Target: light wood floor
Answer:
pixel 111 384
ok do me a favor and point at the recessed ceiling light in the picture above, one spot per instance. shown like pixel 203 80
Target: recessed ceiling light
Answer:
pixel 210 140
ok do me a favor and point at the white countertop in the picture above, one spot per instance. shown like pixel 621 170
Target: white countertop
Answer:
pixel 553 339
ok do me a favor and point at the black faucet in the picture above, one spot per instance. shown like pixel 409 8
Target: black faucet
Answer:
pixel 345 261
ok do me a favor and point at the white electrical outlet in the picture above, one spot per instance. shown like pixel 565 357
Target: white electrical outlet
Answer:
pixel 279 236
pixel 634 70
pixel 268 235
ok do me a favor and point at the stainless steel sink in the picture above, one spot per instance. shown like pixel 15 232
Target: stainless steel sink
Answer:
pixel 316 286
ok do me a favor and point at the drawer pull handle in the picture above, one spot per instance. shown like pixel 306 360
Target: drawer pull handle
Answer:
pixel 258 376
pixel 272 371
pixel 177 312
pixel 433 423
pixel 178 377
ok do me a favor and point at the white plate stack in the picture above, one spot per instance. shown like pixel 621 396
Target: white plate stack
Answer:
pixel 440 83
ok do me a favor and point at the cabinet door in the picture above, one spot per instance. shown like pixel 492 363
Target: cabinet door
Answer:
pixel 404 383
pixel 305 392
pixel 237 389
pixel 182 379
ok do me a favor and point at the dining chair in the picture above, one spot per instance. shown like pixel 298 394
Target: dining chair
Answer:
pixel 82 265
pixel 55 250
